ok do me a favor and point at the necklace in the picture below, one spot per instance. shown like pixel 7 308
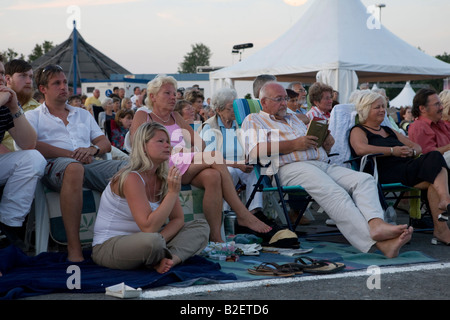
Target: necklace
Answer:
pixel 165 121
pixel 372 128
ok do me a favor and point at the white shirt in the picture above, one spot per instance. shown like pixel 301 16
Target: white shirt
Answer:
pixel 78 133
pixel 114 217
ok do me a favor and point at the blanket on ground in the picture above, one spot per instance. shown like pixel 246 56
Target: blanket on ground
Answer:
pixel 50 272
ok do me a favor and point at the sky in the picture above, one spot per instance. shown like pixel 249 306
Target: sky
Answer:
pixel 153 36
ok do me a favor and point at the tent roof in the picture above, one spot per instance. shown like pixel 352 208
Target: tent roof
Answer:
pixel 404 98
pixel 337 35
pixel 92 64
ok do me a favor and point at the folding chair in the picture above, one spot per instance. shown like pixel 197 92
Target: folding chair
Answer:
pixel 242 108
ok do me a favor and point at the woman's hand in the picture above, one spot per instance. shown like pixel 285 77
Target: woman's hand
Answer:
pixel 402 151
pixel 174 180
pixel 246 168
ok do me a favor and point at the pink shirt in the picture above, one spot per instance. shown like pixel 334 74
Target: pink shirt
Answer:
pixel 429 135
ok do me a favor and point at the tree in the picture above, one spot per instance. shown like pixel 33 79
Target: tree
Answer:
pixel 9 54
pixel 199 56
pixel 39 50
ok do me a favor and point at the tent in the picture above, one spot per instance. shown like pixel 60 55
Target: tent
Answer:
pixel 338 43
pixel 89 62
pixel 404 98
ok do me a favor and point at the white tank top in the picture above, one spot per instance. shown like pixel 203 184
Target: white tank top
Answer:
pixel 114 216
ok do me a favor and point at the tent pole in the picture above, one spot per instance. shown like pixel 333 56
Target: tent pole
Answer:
pixel 75 53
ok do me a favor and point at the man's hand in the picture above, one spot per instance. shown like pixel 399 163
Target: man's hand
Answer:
pixel 84 155
pixel 305 143
pixel 328 142
pixel 9 98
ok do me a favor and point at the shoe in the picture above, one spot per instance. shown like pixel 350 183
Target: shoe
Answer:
pixel 12 237
pixel 309 265
pixel 271 269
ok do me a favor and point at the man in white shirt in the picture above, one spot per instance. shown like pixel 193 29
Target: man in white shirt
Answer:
pixel 350 198
pixel 69 139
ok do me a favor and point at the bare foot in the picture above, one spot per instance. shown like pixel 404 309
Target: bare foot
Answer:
pixel 252 222
pixel 391 248
pixel 164 265
pixel 381 230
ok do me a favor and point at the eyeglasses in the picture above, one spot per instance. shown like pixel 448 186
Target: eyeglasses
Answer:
pixel 302 90
pixel 279 99
pixel 52 67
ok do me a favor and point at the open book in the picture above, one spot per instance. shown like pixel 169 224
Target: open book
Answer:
pixel 318 128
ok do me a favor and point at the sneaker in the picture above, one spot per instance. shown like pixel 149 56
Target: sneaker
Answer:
pixel 10 237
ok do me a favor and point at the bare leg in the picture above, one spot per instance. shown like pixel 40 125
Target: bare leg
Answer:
pixel 209 180
pixel 441 186
pixel 71 201
pixel 441 230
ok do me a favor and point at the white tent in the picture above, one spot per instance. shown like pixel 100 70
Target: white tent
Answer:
pixel 404 98
pixel 339 43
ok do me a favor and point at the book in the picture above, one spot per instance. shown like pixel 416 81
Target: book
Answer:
pixel 318 128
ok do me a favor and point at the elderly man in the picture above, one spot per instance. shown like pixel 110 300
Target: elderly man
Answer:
pixel 350 198
pixel 69 138
pixel 429 130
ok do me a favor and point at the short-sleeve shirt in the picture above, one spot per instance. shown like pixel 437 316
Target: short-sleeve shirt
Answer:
pixel 429 135
pixel 263 128
pixel 79 132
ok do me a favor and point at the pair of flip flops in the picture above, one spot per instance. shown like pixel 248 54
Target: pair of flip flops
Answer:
pixel 273 269
pixel 300 266
pixel 309 265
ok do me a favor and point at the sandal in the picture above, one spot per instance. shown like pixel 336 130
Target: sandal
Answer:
pixel 295 267
pixel 444 215
pixel 319 266
pixel 271 269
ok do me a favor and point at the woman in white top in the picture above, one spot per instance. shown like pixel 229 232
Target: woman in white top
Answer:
pixel 140 221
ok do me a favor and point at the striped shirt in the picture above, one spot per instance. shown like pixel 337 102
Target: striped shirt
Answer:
pixel 315 112
pixel 6 121
pixel 262 128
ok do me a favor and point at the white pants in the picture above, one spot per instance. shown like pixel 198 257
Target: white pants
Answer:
pixel 249 179
pixel 19 173
pixel 349 197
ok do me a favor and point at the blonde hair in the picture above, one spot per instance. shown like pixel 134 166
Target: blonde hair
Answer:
pixel 140 162
pixel 445 99
pixel 154 85
pixel 363 102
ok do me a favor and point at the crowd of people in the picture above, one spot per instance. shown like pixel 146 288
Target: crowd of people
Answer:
pixel 177 138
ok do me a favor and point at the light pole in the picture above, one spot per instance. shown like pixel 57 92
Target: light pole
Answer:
pixel 381 6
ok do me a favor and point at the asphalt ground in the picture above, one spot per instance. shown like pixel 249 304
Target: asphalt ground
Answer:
pixel 406 283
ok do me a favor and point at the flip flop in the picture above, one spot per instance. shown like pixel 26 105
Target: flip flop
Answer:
pixel 295 267
pixel 271 269
pixel 319 266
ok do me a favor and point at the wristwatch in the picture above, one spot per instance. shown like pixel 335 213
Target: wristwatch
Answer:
pixel 18 113
pixel 98 149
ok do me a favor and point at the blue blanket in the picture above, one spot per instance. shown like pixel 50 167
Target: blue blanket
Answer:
pixel 49 272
